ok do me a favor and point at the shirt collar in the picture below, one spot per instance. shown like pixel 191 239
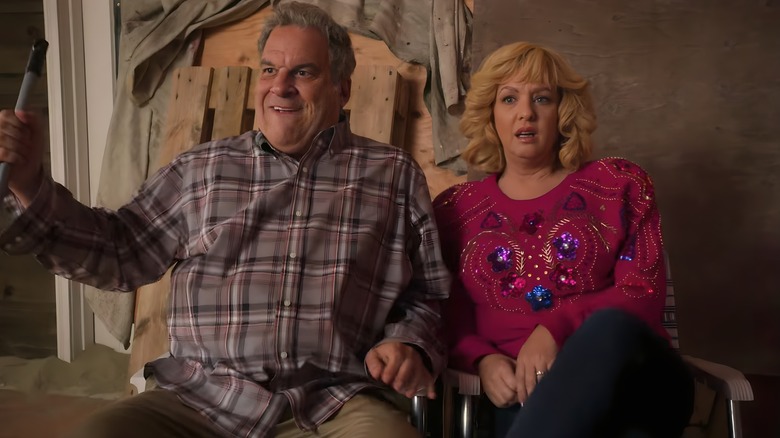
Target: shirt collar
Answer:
pixel 324 139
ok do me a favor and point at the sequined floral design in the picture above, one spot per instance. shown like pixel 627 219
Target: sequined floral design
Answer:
pixel 629 251
pixel 563 277
pixel 567 246
pixel 624 166
pixel 500 258
pixel 649 190
pixel 575 202
pixel 512 285
pixel 491 221
pixel 532 222
pixel 539 298
pixel 630 168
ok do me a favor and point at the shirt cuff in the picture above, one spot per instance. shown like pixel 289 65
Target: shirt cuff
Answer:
pixel 426 358
pixel 465 355
pixel 560 328
pixel 29 226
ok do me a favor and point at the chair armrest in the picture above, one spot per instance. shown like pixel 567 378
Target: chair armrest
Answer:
pixel 138 380
pixel 467 384
pixel 419 413
pixel 721 378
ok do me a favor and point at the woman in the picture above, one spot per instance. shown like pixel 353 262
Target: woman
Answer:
pixel 558 261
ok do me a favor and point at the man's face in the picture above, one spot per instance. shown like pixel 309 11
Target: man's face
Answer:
pixel 295 96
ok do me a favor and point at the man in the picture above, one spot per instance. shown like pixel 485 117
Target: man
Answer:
pixel 307 275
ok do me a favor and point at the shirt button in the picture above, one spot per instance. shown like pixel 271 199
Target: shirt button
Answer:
pixel 304 169
pixel 283 355
pixel 298 213
pixel 292 255
pixel 287 303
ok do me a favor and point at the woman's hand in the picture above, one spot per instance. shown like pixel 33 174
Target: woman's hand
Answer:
pixel 497 374
pixel 536 355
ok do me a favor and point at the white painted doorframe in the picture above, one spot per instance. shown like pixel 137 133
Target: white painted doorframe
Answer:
pixel 80 80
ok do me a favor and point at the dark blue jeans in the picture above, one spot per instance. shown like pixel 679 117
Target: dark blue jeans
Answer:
pixel 503 418
pixel 614 377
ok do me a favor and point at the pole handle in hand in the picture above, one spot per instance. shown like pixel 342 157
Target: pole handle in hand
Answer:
pixel 31 75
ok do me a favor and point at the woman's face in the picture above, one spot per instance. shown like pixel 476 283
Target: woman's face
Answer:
pixel 526 119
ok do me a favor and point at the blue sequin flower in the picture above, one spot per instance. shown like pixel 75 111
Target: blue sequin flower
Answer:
pixel 512 285
pixel 567 246
pixel 501 258
pixel 539 298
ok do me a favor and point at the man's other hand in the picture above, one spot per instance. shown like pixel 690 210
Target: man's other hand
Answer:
pixel 400 366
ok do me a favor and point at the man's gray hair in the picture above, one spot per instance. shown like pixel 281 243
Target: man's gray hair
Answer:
pixel 340 53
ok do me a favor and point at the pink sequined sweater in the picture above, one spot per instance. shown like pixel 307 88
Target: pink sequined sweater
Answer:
pixel 592 242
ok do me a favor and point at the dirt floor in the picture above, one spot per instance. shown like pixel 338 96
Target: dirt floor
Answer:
pixel 47 398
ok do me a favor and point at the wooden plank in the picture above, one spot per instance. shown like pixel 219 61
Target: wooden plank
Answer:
pixel 27 329
pixel 17 33
pixel 228 98
pixel 373 102
pixel 19 7
pixel 23 279
pixel 150 336
pixel 251 102
pixel 34 101
pixel 18 29
pixel 14 58
pixel 186 114
pixel 400 113
pixel 234 43
pixel 184 128
pixel 30 315
pixel 10 83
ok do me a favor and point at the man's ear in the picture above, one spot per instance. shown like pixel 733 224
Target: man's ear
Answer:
pixel 345 90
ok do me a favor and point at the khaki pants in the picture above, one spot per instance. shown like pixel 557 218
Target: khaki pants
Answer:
pixel 159 414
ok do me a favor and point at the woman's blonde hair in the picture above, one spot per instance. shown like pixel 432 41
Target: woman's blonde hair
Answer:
pixel 535 64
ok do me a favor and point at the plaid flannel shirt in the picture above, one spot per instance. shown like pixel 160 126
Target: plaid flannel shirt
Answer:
pixel 285 273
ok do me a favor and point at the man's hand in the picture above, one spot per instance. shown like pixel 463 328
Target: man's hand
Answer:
pixel 536 355
pixel 400 367
pixel 497 374
pixel 21 146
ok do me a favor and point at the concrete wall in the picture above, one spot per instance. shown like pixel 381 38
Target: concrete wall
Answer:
pixel 691 91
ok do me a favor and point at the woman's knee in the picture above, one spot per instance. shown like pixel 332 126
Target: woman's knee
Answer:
pixel 616 324
pixel 614 333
